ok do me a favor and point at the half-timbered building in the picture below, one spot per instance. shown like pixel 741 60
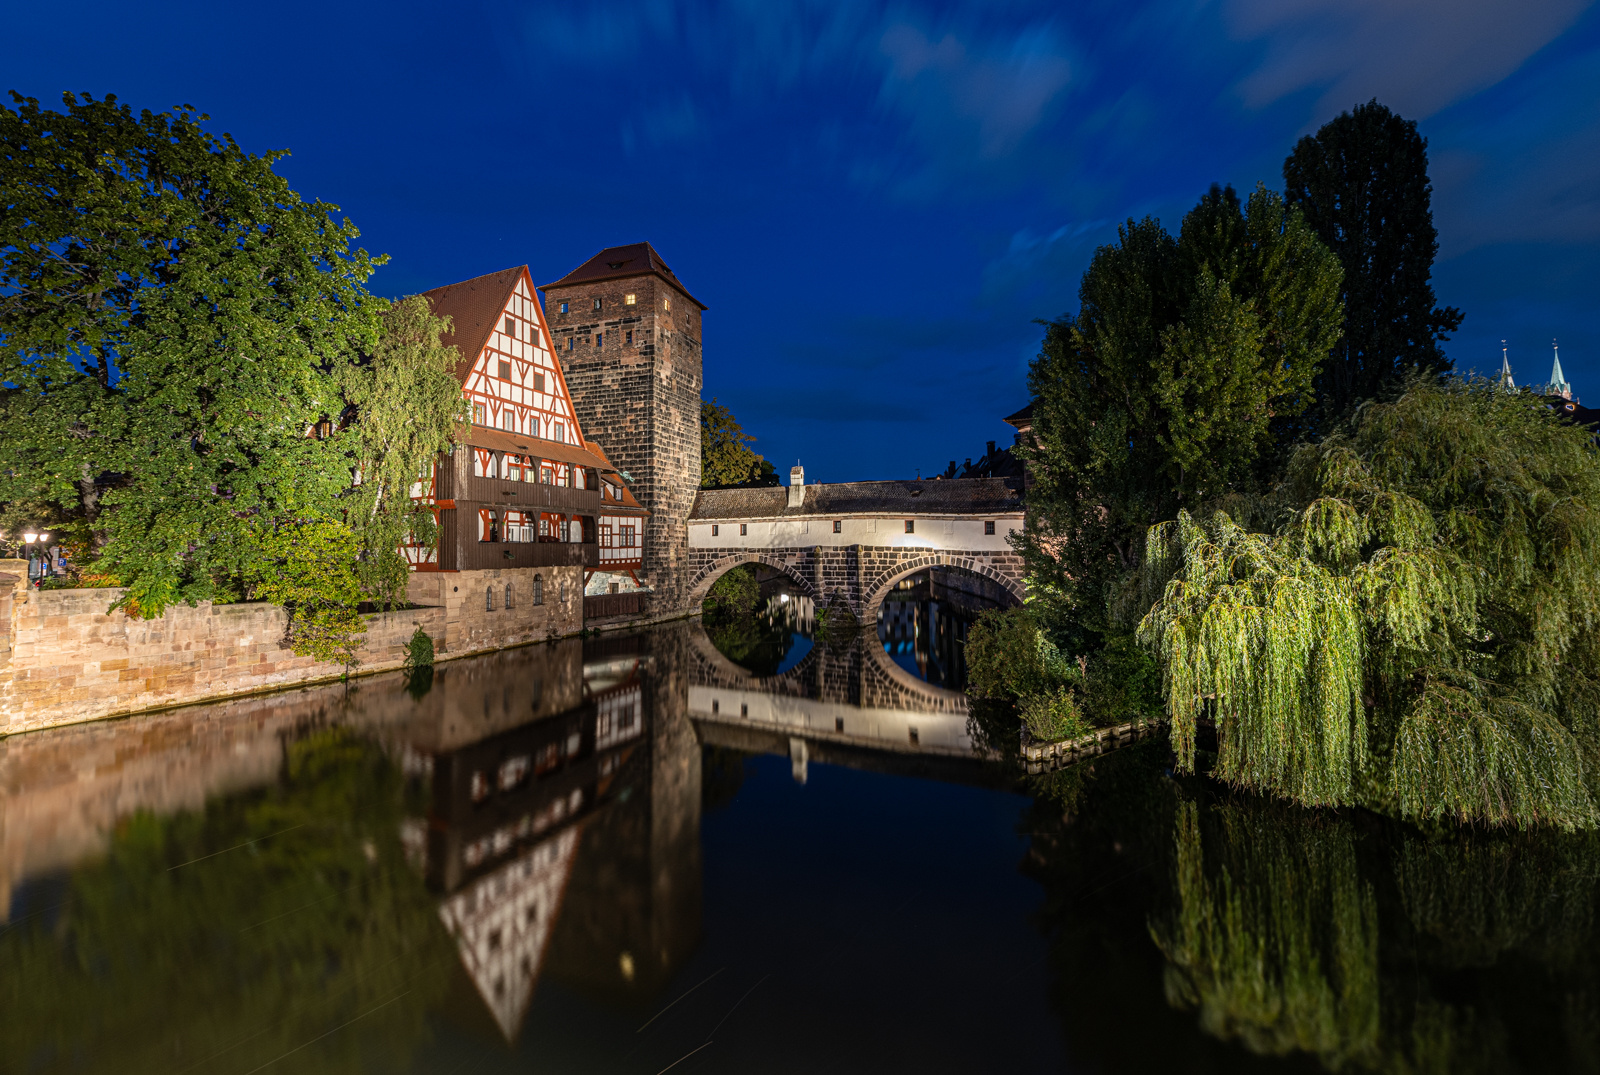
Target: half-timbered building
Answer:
pixel 525 497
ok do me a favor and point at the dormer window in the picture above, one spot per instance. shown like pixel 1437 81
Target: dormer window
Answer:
pixel 630 299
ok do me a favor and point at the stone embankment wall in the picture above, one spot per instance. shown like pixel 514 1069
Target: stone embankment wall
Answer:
pixel 63 659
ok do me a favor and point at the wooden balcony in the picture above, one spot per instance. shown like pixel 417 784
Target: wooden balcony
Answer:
pixel 531 495
pixel 483 555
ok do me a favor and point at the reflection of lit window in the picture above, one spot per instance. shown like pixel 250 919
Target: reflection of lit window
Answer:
pixel 480 786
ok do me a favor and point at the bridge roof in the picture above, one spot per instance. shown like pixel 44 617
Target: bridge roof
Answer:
pixel 956 496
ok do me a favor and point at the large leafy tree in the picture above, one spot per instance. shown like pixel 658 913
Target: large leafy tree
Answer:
pixel 1362 183
pixel 1188 361
pixel 1419 632
pixel 174 322
pixel 725 456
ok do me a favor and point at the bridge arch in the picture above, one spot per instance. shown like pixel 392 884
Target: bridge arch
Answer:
pixel 701 584
pixel 885 581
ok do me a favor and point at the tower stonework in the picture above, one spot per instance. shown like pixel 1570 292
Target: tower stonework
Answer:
pixel 628 335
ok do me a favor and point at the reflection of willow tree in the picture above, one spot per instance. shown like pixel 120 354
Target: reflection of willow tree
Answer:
pixel 1278 940
pixel 1277 946
pixel 738 625
pixel 238 958
pixel 1292 939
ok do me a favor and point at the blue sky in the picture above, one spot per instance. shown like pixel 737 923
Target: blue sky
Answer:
pixel 875 200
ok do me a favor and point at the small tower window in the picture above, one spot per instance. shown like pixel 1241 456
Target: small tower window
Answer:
pixel 630 337
pixel 569 343
pixel 630 299
pixel 911 526
pixel 597 304
pixel 511 327
pixel 599 339
pixel 563 307
pixel 666 304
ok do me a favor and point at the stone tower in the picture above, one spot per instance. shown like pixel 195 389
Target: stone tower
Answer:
pixel 628 334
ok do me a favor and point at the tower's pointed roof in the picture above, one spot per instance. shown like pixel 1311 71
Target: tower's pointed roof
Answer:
pixel 1557 381
pixel 618 262
pixel 1505 370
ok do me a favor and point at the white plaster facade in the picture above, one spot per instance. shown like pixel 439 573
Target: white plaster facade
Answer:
pixel 936 532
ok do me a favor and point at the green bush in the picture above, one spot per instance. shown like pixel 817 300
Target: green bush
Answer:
pixel 1054 715
pixel 419 651
pixel 1008 656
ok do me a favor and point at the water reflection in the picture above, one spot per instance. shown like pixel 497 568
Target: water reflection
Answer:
pixel 760 620
pixel 1297 936
pixel 510 859
pixel 923 622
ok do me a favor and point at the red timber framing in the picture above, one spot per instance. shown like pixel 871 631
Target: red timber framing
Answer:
pixel 524 487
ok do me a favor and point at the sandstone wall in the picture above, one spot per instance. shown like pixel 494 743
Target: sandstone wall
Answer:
pixel 70 661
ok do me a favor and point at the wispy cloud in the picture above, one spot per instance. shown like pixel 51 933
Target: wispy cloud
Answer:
pixel 1417 56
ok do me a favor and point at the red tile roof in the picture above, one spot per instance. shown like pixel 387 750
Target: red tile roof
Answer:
pixel 474 308
pixel 618 262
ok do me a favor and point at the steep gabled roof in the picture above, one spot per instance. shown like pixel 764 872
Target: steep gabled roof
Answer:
pixel 474 307
pixel 618 262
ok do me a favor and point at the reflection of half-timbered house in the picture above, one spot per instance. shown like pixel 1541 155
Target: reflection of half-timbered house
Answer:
pixel 528 508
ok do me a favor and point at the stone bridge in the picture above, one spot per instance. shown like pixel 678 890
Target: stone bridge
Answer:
pixel 850 544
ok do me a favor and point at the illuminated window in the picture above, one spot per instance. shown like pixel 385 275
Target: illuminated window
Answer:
pixel 480 413
pixel 666 304
pixel 630 299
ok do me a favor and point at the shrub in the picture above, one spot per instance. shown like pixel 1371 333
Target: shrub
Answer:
pixel 1053 715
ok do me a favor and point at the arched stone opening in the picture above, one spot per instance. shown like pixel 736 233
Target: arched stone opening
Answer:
pixel 880 586
pixel 702 583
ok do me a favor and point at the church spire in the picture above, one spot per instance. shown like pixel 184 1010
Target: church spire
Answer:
pixel 1558 384
pixel 1505 368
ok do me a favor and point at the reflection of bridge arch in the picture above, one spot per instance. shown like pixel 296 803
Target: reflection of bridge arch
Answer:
pixel 886 579
pixel 860 673
pixel 703 580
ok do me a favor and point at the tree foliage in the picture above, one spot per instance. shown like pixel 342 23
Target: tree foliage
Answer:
pixel 408 404
pixel 725 457
pixel 1418 631
pixel 1189 360
pixel 173 320
pixel 1362 183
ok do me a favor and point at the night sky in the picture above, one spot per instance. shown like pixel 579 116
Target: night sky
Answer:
pixel 875 201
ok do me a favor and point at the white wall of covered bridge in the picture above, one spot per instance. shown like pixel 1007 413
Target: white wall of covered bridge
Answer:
pixel 947 533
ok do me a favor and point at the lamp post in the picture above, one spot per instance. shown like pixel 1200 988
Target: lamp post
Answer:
pixel 38 566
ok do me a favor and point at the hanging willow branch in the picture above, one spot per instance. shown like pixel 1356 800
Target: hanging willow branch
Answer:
pixel 1420 633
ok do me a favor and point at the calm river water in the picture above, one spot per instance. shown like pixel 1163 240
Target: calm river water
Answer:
pixel 634 854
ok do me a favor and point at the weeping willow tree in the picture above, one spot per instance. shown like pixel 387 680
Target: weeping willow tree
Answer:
pixel 1415 633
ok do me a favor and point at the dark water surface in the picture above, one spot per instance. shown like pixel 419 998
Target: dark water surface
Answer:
pixel 635 853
